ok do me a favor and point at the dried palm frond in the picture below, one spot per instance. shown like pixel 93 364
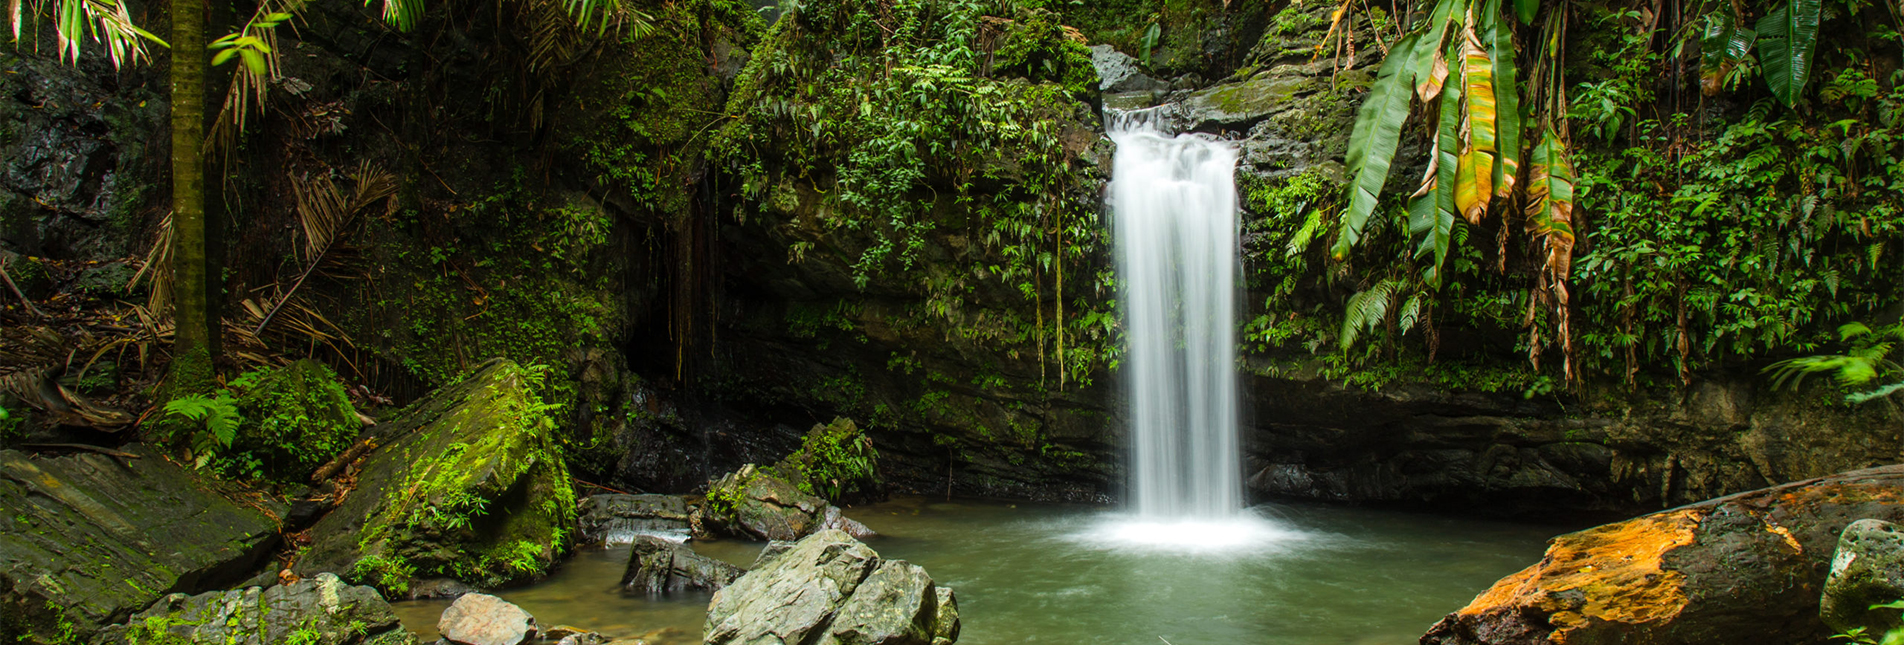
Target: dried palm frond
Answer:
pixel 157 271
pixel 32 359
pixel 248 84
pixel 326 214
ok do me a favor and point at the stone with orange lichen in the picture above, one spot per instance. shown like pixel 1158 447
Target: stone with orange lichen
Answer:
pixel 1745 568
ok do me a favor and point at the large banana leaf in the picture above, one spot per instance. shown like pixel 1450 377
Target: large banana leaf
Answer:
pixel 1787 38
pixel 1475 171
pixel 1550 203
pixel 1431 215
pixel 1378 130
pixel 1431 60
pixel 1507 103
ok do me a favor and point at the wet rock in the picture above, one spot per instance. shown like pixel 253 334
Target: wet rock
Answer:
pixel 86 539
pixel 320 610
pixel 618 518
pixel 830 588
pixel 773 550
pixel 1743 568
pixel 467 485
pixel 657 566
pixel 756 503
pixel 1238 105
pixel 482 619
pixel 1868 569
pixel 1119 73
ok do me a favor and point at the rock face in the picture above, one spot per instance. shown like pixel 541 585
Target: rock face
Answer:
pixel 617 519
pixel 1118 73
pixel 657 566
pixel 830 588
pixel 1744 568
pixel 1868 569
pixel 468 486
pixel 86 540
pixel 320 610
pixel 482 619
pixel 757 504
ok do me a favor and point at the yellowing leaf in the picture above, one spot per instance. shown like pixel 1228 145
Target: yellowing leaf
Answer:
pixel 1475 174
pixel 1550 204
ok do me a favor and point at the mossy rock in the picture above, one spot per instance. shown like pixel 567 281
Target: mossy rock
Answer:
pixel 296 418
pixel 836 461
pixel 469 486
pixel 758 504
pixel 86 540
pixel 315 611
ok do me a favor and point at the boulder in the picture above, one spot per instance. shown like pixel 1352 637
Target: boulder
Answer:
pixel 618 519
pixel 831 589
pixel 466 485
pixel 1746 568
pixel 320 610
pixel 755 503
pixel 659 566
pixel 87 539
pixel 1118 72
pixel 1868 569
pixel 482 619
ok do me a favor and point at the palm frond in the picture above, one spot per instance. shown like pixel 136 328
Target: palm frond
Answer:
pixel 326 215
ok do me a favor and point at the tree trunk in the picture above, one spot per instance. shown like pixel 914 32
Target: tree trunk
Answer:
pixel 195 323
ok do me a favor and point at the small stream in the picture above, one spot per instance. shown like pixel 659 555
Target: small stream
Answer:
pixel 1037 573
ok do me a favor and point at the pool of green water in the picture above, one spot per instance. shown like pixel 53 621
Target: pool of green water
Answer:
pixel 1037 573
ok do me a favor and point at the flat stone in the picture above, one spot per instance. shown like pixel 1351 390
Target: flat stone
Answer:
pixel 618 518
pixel 88 539
pixel 1238 105
pixel 482 619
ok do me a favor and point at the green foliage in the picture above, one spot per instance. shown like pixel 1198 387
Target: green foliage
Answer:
pixel 12 426
pixel 1863 636
pixel 835 461
pixel 1788 38
pixel 1868 359
pixel 1036 47
pixel 217 423
pixel 298 418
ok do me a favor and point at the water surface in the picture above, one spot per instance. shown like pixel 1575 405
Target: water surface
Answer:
pixel 1035 573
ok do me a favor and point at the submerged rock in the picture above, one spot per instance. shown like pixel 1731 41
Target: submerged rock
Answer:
pixel 320 610
pixel 829 588
pixel 757 504
pixel 468 486
pixel 86 540
pixel 1868 569
pixel 658 566
pixel 1747 568
pixel 482 619
pixel 618 518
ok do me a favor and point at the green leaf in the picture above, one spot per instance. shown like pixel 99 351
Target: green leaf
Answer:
pixel 1788 36
pixel 1507 106
pixel 223 56
pixel 1366 309
pixel 1527 9
pixel 253 60
pixel 1378 130
pixel 1431 215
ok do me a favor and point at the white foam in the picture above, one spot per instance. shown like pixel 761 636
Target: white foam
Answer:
pixel 1243 533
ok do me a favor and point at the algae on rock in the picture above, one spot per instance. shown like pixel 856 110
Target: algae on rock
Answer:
pixel 470 486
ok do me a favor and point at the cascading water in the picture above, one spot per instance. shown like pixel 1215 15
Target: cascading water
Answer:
pixel 1174 203
pixel 1173 198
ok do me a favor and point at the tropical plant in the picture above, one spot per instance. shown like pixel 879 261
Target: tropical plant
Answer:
pixel 1868 360
pixel 216 418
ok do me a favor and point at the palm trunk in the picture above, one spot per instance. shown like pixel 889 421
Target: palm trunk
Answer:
pixel 193 317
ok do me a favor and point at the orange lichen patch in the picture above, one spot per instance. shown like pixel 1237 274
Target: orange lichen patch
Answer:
pixel 1608 574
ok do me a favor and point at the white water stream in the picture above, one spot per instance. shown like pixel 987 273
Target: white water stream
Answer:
pixel 1173 198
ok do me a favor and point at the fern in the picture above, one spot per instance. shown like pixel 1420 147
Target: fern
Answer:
pixel 1367 309
pixel 217 418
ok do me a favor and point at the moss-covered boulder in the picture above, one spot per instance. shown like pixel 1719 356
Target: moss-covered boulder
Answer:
pixel 837 462
pixel 320 610
pixel 296 418
pixel 86 540
pixel 468 486
pixel 1747 568
pixel 758 504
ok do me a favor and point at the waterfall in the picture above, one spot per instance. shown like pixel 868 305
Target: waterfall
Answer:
pixel 1173 198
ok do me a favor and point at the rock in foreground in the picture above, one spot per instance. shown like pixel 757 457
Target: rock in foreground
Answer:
pixel 482 619
pixel 1746 568
pixel 1868 569
pixel 657 566
pixel 831 589
pixel 315 611
pixel 756 504
pixel 468 486
pixel 86 540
